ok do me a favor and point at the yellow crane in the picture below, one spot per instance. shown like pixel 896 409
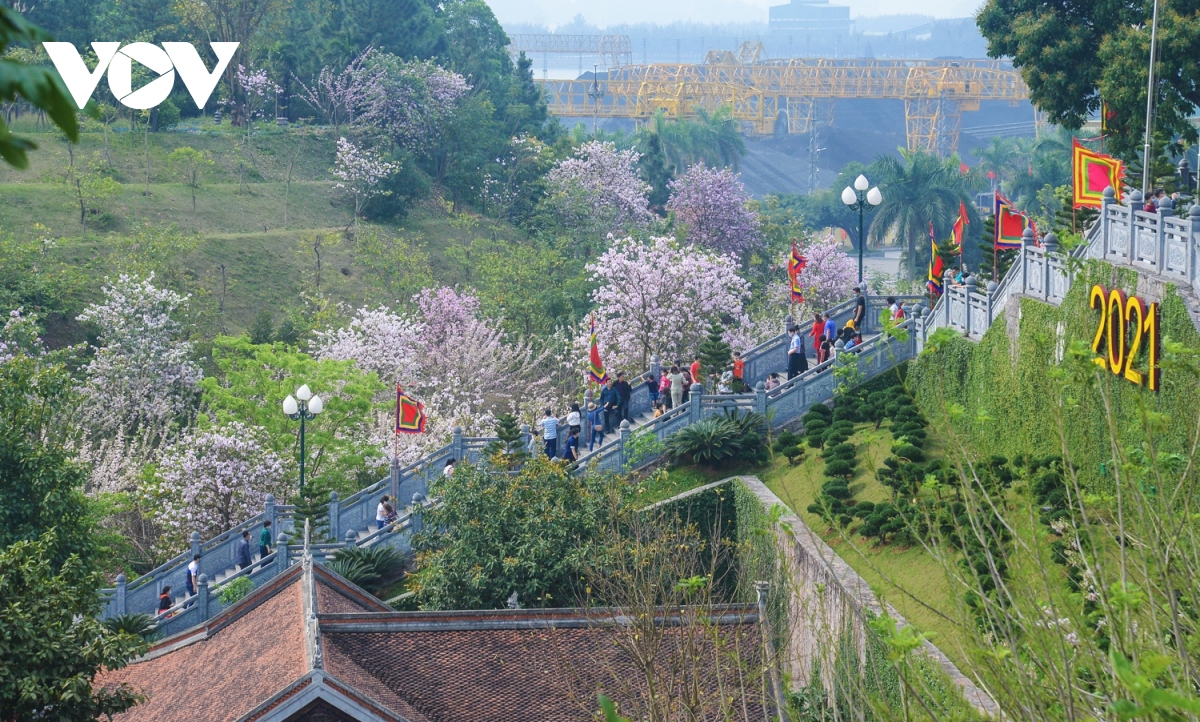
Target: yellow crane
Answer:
pixel 762 93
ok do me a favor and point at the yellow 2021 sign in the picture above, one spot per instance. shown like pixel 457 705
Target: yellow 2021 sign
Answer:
pixel 1127 325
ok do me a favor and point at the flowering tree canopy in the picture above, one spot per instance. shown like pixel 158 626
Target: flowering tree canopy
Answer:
pixel 407 101
pixel 711 204
pixel 210 480
pixel 257 89
pixel 142 373
pixel 599 189
pixel 657 297
pixel 19 335
pixel 456 361
pixel 829 276
pixel 339 95
pixel 359 172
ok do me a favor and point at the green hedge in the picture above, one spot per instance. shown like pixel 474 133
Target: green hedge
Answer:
pixel 1010 403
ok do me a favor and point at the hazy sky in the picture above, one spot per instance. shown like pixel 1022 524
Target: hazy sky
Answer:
pixel 612 12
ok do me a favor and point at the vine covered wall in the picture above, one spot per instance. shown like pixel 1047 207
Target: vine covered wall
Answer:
pixel 1002 395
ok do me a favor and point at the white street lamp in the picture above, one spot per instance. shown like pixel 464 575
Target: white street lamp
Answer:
pixel 860 199
pixel 305 410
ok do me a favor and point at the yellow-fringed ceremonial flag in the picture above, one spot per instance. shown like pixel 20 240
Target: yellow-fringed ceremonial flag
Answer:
pixel 595 366
pixel 796 264
pixel 1091 173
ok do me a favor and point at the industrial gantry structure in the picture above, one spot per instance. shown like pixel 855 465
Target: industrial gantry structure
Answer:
pixel 763 93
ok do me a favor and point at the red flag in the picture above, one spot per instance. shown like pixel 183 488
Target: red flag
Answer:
pixel 960 226
pixel 964 168
pixel 595 366
pixel 936 267
pixel 410 414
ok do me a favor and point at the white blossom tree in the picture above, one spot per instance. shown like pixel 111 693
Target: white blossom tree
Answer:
pixel 359 172
pixel 210 480
pixel 141 375
pixel 599 190
pixel 657 297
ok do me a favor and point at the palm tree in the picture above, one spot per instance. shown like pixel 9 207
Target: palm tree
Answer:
pixel 919 188
pixel 997 157
pixel 716 141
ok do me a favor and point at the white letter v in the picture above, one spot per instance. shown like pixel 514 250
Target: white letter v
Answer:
pixel 74 73
pixel 200 83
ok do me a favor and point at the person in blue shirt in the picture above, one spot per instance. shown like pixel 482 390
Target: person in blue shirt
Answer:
pixel 571 454
pixel 243 558
pixel 550 434
pixel 610 401
pixel 596 419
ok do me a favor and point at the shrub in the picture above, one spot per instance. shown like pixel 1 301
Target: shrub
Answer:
pixel 712 441
pixel 785 440
pixel 836 489
pixel 139 625
pixel 845 412
pixel 840 451
pixel 818 412
pixel 909 452
pixel 794 454
pixel 840 468
pixel 864 509
pixel 235 591
pixel 368 567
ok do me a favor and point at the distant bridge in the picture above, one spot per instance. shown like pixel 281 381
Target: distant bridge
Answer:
pixel 764 92
pixel 611 50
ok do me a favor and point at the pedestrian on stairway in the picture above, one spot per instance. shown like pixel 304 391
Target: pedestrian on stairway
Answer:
pixel 739 372
pixel 696 370
pixel 818 328
pixel 243 557
pixel 264 540
pixel 549 426
pixel 625 391
pixel 677 381
pixel 596 419
pixel 571 454
pixel 191 582
pixel 164 599
pixel 831 329
pixel 610 402
pixel 651 388
pixel 381 512
pixel 860 308
pixel 664 387
pixel 797 361
pixel 573 420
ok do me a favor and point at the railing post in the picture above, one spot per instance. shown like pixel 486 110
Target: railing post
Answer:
pixel 1049 247
pixel 1165 210
pixel 991 299
pixel 787 322
pixel 202 596
pixel 418 511
pixel 195 540
pixel 457 447
pixel 269 509
pixel 696 398
pixel 760 398
pixel 119 595
pixel 969 286
pixel 1027 241
pixel 1193 238
pixel 281 553
pixel 655 368
pixel 947 285
pixel 351 539
pixel 622 441
pixel 1110 197
pixel 1135 205
pixel 530 444
pixel 335 507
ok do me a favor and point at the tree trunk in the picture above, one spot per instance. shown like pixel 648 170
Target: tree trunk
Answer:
pixel 147 136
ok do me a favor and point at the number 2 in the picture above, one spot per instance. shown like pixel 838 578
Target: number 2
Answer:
pixel 1099 300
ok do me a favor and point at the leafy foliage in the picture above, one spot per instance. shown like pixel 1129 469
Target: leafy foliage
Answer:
pixel 368 567
pixel 719 441
pixel 235 591
pixel 37 84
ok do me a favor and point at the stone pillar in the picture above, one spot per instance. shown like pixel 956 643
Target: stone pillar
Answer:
pixel 655 368
pixel 269 509
pixel 622 441
pixel 787 322
pixel 202 593
pixel 418 511
pixel 1027 241
pixel 839 347
pixel 991 299
pixel 695 399
pixel 457 448
pixel 351 539
pixel 335 507
pixel 760 398
pixel 1192 253
pixel 1166 209
pixel 947 292
pixel 118 601
pixel 530 445
pixel 969 285
pixel 281 553
pixel 1110 197
pixel 1049 246
pixel 195 539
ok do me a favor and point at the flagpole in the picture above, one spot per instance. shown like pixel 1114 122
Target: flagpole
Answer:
pixel 1149 104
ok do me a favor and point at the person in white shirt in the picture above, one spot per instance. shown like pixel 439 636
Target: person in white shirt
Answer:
pixel 448 469
pixel 573 422
pixel 797 361
pixel 381 511
pixel 192 580
pixel 549 426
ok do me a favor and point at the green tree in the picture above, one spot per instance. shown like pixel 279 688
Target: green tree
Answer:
pixel 715 354
pixel 38 85
pixel 918 189
pixel 93 191
pixel 190 163
pixel 54 644
pixel 496 533
pixel 263 329
pixel 42 485
pixel 251 384
pixel 508 450
pixel 1072 54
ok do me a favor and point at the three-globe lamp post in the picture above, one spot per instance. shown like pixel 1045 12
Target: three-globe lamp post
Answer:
pixel 302 410
pixel 862 200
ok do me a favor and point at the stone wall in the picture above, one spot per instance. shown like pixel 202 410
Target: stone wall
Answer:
pixel 828 598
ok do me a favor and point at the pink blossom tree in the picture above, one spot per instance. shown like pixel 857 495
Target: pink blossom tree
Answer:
pixel 207 481
pixel 599 190
pixel 258 90
pixel 447 354
pixel 359 171
pixel 658 297
pixel 19 335
pixel 340 95
pixel 142 374
pixel 407 101
pixel 710 204
pixel 829 276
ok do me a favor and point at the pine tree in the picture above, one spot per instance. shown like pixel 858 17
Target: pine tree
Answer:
pixel 508 451
pixel 1163 173
pixel 263 328
pixel 715 354
pixel 312 506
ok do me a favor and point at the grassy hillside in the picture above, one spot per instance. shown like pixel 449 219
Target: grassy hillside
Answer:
pixel 235 251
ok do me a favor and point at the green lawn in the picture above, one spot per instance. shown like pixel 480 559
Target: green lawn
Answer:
pixel 896 574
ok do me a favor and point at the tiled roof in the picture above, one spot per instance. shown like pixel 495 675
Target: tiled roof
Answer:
pixel 493 667
pixel 227 673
